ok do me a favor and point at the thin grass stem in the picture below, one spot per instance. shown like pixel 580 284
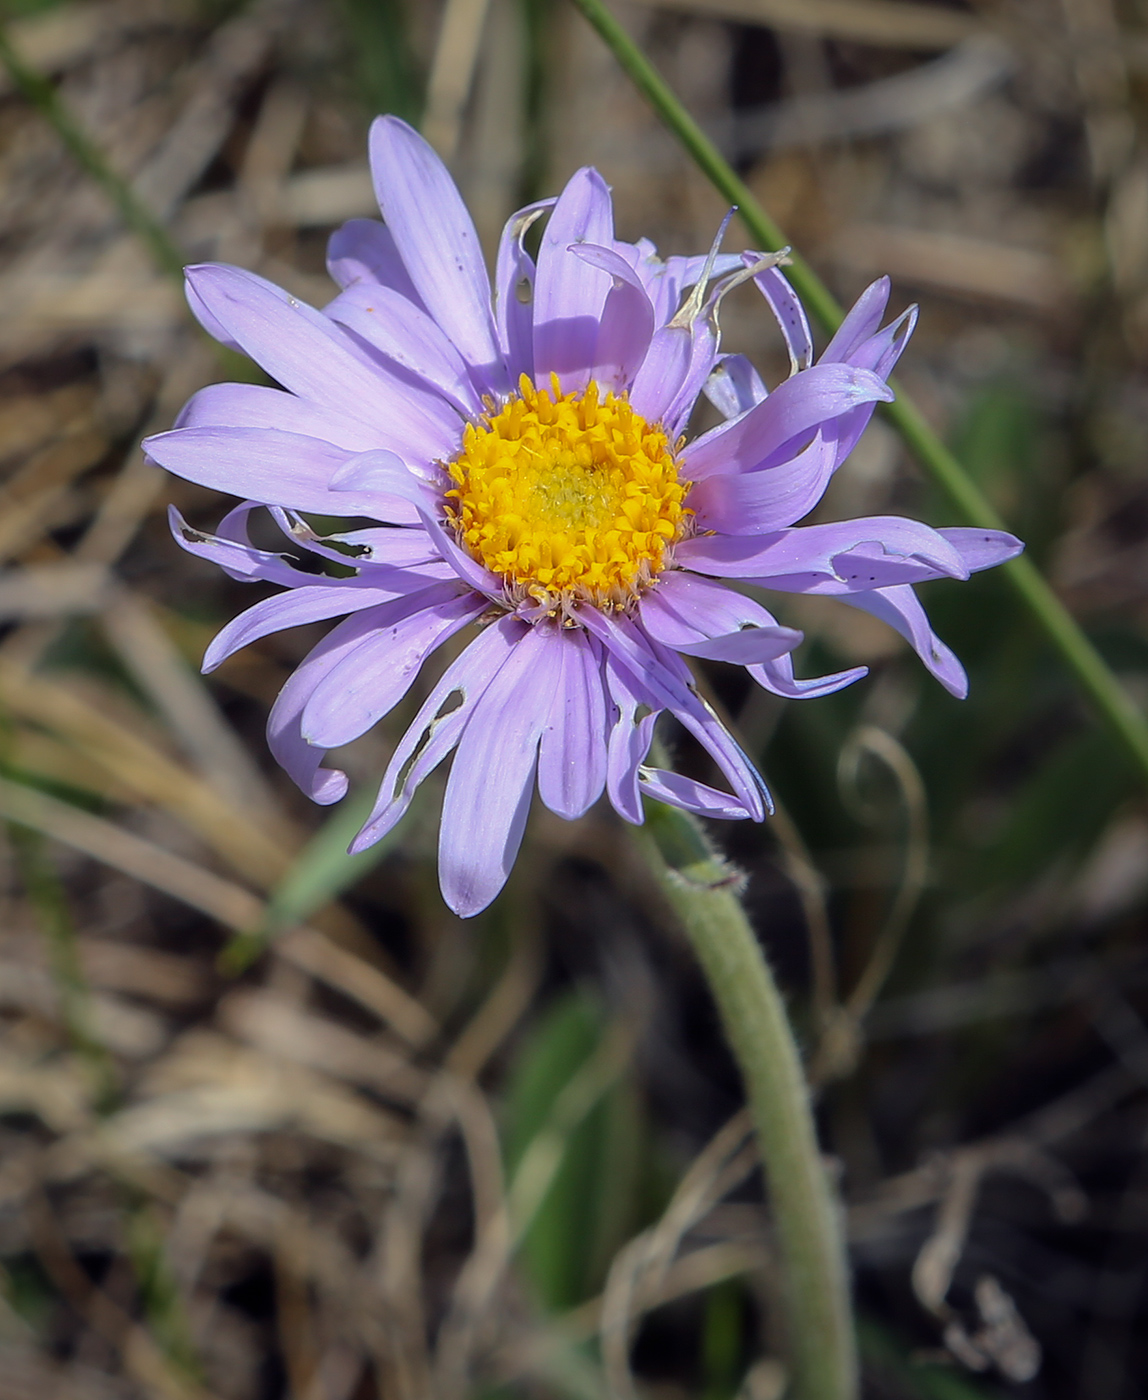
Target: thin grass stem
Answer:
pixel 42 95
pixel 1076 651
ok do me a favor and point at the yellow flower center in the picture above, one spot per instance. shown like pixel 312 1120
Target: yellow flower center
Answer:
pixel 568 497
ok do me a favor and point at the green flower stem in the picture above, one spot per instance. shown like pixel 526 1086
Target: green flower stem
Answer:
pixel 814 1272
pixel 1076 651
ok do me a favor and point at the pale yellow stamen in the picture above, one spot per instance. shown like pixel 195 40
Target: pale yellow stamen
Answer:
pixel 568 497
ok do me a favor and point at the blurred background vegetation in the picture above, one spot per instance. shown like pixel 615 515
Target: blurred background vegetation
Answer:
pixel 272 1122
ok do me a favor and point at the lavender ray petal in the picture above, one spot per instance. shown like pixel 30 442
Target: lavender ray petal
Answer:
pixel 747 647
pixel 636 711
pixel 834 558
pixel 572 753
pixel 901 609
pixel 663 372
pixel 371 680
pixel 861 321
pixel 272 468
pixel 438 725
pixel 795 408
pixel 668 281
pixel 391 546
pixel 300 760
pixel 491 780
pixel 257 406
pixel 313 357
pixel 240 561
pixel 684 607
pixel 881 351
pixel 419 556
pixel 701 618
pixel 208 320
pixel 787 309
pixel 704 341
pixel 405 334
pixel 669 679
pixel 627 319
pixel 982 549
pixel 315 602
pixel 734 386
pixel 469 570
pixel 758 502
pixel 385 474
pixel 677 791
pixel 880 354
pixel 363 250
pixel 778 677
pixel 514 279
pixel 570 294
pixel 437 242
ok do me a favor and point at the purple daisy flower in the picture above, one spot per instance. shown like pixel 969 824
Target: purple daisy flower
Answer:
pixel 522 455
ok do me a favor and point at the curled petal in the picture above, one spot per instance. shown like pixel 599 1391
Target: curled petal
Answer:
pixel 300 760
pixel 794 409
pixel 627 319
pixel 668 678
pixel 316 602
pixel 782 300
pixel 734 386
pixel 778 677
pixel 693 796
pixel 901 609
pixel 636 709
pixel 514 291
pixel 861 321
pixel 238 558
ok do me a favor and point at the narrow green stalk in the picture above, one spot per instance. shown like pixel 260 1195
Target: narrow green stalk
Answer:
pixel 1061 628
pixel 41 94
pixel 814 1272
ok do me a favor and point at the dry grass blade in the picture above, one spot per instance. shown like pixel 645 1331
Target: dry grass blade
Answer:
pixel 232 905
pixel 452 73
pixel 43 591
pixel 141 766
pixel 365 984
pixel 187 705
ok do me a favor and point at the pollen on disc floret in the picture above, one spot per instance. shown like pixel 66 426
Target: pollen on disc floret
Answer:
pixel 568 497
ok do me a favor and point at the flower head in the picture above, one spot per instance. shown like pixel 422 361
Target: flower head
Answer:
pixel 522 457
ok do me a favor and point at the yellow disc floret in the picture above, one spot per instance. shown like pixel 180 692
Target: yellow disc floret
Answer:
pixel 568 497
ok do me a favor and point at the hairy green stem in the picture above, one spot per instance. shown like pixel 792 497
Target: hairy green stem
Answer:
pixel 1092 673
pixel 814 1271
